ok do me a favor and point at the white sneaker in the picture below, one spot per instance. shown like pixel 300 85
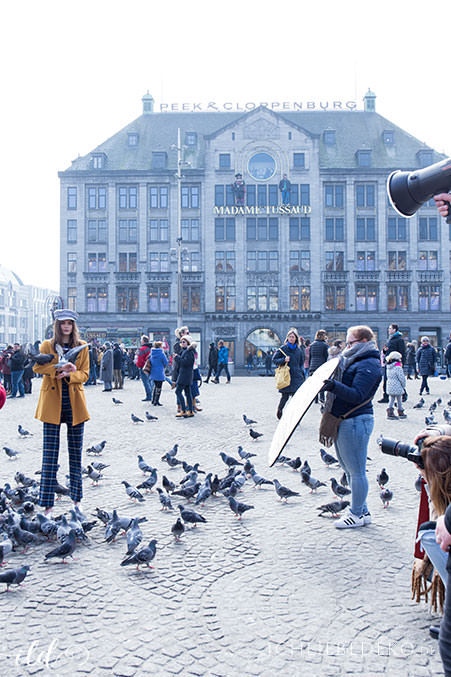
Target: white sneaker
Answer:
pixel 366 518
pixel 349 521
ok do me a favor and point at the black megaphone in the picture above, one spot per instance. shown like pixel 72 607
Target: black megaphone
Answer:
pixel 408 191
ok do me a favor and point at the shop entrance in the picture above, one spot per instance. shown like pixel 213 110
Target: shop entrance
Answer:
pixel 259 344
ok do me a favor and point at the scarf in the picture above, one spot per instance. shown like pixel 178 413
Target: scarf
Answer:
pixel 347 357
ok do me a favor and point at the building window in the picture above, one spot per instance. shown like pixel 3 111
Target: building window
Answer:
pixel 300 261
pixel 128 197
pixel 158 299
pixel 300 299
pixel 190 230
pixel 225 229
pixel 428 228
pixel 159 160
pixel 96 197
pixel 128 230
pixel 335 230
pixel 190 138
pixel 72 197
pixel 363 158
pixel 299 228
pixel 158 230
pixel 429 297
pixel 71 262
pixel 335 297
pixel 71 231
pixel 127 299
pixel 224 161
pixel 191 262
pixel 225 262
pixel 97 230
pixel 158 262
pixel 158 197
pixel 229 199
pixel 262 228
pixel 263 298
pixel 299 160
pixel 396 228
pixel 424 158
pixel 365 195
pixel 329 137
pixel 427 260
pixel 397 297
pixel 97 262
pixel 397 260
pixel 190 197
pixel 389 137
pixel 127 262
pixel 98 161
pixel 335 261
pixel 225 299
pixel 96 299
pixel 366 229
pixel 132 139
pixel 191 299
pixel 263 261
pixel 334 195
pixel 366 298
pixel 71 299
pixel 366 261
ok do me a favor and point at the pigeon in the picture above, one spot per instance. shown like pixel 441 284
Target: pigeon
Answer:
pixel 283 459
pixel 229 460
pixel 172 461
pixel 311 482
pixel 332 508
pixel 448 404
pixel 75 523
pixel 14 576
pixel 143 556
pixel 150 417
pixel 328 459
pixel 248 421
pixel 283 492
pixel 64 550
pixel 231 491
pixel 306 468
pixel 22 479
pixel 94 475
pixel 63 529
pixel 204 490
pixel 134 537
pixel 178 529
pixel 254 434
pixel 133 494
pixel 167 484
pixel 244 454
pixel 344 480
pixel 295 463
pixel 419 404
pixel 438 401
pixel 164 500
pixel 187 492
pixel 10 453
pixel 386 496
pixel 23 433
pixel 187 468
pixel 433 407
pixel 60 490
pixel 96 448
pixel 238 508
pixel 99 466
pixel 338 489
pixel 103 515
pixel 70 356
pixel 382 478
pixel 24 538
pixel 172 452
pixel 447 415
pixel 6 547
pixel 40 358
pixel 429 420
pixel 136 419
pixel 149 482
pixel 190 516
pixel 116 401
pixel 258 479
pixel 143 466
pixel 47 526
pixel 214 484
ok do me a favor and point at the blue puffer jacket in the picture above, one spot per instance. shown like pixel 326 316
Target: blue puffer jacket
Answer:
pixel 360 382
pixel 158 361
pixel 296 366
pixel 223 355
pixel 426 358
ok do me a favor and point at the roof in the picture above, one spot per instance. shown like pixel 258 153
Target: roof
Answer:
pixel 7 275
pixel 355 130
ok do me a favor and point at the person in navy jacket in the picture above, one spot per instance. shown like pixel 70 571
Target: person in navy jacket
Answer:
pixel 293 355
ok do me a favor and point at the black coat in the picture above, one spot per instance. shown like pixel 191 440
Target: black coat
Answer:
pixel 18 360
pixel 410 356
pixel 448 353
pixel 213 357
pixel 396 342
pixel 426 358
pixel 296 366
pixel 319 352
pixel 185 363
pixel 117 358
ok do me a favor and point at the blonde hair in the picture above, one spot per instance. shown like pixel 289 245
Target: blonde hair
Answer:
pixel 58 336
pixel 320 335
pixel 158 344
pixel 362 331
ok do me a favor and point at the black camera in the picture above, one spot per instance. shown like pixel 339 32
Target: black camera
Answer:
pixel 397 448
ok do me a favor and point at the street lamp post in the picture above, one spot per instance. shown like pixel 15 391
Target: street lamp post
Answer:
pixel 179 232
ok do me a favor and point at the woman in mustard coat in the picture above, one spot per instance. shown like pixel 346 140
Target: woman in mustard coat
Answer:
pixel 62 400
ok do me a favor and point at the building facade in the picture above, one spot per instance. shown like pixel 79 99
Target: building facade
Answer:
pixel 258 255
pixel 24 309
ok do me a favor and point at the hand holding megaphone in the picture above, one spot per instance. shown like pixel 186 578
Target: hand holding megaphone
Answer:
pixel 443 201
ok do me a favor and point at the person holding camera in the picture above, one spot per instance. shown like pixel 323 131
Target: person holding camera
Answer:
pixel 349 395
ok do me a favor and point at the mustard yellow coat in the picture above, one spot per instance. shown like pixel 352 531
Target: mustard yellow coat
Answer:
pixel 49 404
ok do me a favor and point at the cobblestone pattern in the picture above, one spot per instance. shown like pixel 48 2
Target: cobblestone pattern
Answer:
pixel 280 591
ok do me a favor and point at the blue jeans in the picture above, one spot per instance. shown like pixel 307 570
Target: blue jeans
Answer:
pixel 145 378
pixel 188 405
pixel 436 555
pixel 17 381
pixel 351 446
pixel 221 366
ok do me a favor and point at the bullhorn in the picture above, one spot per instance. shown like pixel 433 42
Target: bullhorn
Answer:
pixel 408 191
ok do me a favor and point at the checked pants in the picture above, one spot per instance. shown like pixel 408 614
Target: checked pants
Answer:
pixel 51 451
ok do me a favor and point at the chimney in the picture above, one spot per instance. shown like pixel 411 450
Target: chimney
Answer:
pixel 369 101
pixel 147 103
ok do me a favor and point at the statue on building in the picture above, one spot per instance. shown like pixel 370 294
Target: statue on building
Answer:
pixel 239 190
pixel 285 188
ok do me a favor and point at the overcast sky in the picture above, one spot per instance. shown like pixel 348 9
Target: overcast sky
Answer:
pixel 74 72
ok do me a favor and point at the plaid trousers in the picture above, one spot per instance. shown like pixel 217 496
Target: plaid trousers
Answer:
pixel 51 451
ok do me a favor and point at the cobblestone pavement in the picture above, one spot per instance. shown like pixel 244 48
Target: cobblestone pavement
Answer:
pixel 281 592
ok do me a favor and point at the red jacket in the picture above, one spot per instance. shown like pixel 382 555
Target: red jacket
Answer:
pixel 143 354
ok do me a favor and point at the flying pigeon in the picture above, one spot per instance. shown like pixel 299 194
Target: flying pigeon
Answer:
pixel 386 496
pixel 338 489
pixel 136 419
pixel 332 508
pixel 238 508
pixel 328 459
pixel 39 358
pixel 248 421
pixel 382 478
pixel 143 556
pixel 14 576
pixel 283 492
pixel 254 434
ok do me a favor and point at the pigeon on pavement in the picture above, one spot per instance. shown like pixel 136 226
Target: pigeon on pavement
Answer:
pixel 149 483
pixel 254 434
pixel 96 448
pixel 382 478
pixel 64 550
pixel 306 468
pixel 229 460
pixel 164 500
pixel 258 479
pixel 132 493
pixel 143 556
pixel 136 419
pixel 150 417
pixel 283 492
pixel 244 454
pixel 134 537
pixel 22 432
pixel 94 475
pixel 167 484
pixel 328 459
pixel 419 404
pixel 178 529
pixel 295 463
pixel 386 496
pixel 338 490
pixel 14 576
pixel 312 483
pixel 238 508
pixel 248 421
pixel 344 480
pixel 190 516
pixel 143 466
pixel 10 453
pixel 332 508
pixel 116 401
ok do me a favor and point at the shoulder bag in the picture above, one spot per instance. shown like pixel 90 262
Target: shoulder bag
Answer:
pixel 328 427
pixel 282 374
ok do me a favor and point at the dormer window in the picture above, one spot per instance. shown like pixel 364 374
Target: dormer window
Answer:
pixel 132 139
pixel 329 137
pixel 424 157
pixel 363 158
pixel 389 137
pixel 190 139
pixel 98 161
pixel 159 160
